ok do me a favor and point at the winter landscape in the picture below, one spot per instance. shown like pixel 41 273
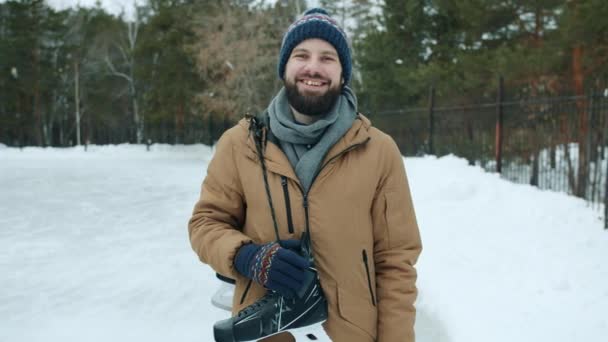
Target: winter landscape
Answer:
pixel 95 248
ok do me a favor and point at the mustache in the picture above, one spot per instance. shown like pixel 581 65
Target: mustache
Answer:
pixel 315 76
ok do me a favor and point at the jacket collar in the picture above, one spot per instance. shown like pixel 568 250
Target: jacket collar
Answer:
pixel 276 160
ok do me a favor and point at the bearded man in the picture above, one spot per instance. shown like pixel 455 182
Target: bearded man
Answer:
pixel 311 164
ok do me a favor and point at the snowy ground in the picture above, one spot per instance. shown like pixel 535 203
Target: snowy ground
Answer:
pixel 94 247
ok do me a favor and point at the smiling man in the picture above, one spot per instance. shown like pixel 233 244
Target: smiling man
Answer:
pixel 307 207
pixel 313 79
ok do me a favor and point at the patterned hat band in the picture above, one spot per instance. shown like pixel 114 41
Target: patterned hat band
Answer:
pixel 315 17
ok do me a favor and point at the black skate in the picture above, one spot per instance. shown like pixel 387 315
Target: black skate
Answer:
pixel 273 314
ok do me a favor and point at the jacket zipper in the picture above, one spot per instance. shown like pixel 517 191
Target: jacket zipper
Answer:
pixel 305 205
pixel 309 244
pixel 369 279
pixel 245 292
pixel 287 204
pixel 305 194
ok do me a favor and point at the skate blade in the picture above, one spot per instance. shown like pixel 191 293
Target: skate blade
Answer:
pixel 314 332
pixel 310 333
pixel 222 298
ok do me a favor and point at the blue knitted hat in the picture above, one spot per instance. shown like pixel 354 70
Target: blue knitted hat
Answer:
pixel 316 23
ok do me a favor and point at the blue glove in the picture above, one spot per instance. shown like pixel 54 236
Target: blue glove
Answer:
pixel 274 266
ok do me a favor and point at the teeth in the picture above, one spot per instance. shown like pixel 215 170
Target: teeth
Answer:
pixel 312 83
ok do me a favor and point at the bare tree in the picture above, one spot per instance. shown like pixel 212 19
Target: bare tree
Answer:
pixel 236 56
pixel 75 38
pixel 125 46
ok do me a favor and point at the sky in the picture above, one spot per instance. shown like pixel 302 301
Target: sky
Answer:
pixel 115 6
pixel 112 6
pixel 95 248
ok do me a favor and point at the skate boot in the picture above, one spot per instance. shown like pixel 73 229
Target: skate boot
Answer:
pixel 273 314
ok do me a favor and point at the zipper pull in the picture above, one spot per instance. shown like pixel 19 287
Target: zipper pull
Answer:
pixel 283 180
pixel 305 201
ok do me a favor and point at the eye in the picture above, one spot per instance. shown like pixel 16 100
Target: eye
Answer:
pixel 299 56
pixel 328 58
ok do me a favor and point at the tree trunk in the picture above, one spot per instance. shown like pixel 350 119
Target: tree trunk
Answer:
pixel 37 110
pixel 77 100
pixel 138 120
pixel 534 177
pixel 552 156
pixel 583 122
pixel 179 123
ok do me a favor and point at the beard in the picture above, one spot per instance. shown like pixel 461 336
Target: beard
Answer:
pixel 311 105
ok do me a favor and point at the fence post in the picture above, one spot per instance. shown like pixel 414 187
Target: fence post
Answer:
pixel 431 119
pixel 601 111
pixel 606 198
pixel 498 147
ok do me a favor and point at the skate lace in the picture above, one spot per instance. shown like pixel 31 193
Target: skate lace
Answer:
pixel 255 306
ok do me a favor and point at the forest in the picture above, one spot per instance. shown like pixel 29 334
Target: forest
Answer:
pixel 182 71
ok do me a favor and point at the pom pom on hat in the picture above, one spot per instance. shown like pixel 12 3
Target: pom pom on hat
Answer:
pixel 316 23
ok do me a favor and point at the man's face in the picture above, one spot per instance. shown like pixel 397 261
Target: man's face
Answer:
pixel 313 77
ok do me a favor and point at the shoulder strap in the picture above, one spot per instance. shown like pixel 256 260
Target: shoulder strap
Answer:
pixel 258 129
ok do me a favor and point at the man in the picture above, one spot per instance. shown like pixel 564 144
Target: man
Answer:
pixel 328 172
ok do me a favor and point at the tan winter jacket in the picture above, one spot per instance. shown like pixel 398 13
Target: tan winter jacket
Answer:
pixel 365 238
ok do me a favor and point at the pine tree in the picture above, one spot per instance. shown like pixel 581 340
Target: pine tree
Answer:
pixel 389 54
pixel 169 77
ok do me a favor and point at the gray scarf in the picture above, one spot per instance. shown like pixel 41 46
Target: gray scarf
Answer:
pixel 295 139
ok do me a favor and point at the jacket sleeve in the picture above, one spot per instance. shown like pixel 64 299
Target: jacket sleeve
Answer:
pixel 397 246
pixel 219 214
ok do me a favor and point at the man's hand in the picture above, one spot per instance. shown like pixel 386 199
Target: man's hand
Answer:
pixel 275 266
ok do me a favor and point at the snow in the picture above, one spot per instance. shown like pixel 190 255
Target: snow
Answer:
pixel 95 247
pixel 506 262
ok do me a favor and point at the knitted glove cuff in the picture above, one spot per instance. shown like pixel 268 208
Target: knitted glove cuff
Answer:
pixel 263 262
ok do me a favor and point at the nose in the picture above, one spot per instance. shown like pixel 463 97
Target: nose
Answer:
pixel 313 67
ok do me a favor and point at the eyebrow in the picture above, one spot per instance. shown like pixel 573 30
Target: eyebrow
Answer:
pixel 324 52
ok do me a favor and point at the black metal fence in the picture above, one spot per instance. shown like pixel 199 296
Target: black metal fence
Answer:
pixel 552 143
pixel 192 130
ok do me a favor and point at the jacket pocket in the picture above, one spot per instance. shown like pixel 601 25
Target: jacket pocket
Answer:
pixel 369 278
pixel 287 203
pixel 357 310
